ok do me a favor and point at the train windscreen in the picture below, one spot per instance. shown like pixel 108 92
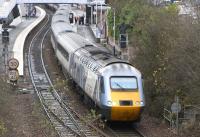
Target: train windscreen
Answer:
pixel 123 83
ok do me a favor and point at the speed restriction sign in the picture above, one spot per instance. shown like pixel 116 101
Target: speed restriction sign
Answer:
pixel 13 63
pixel 13 75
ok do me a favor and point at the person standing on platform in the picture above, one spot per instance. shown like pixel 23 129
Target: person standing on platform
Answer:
pixel 76 19
pixel 83 18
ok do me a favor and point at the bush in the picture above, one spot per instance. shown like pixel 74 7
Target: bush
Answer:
pixel 2 128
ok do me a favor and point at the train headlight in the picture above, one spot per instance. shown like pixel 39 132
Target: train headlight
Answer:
pixel 109 103
pixel 137 103
pixel 114 103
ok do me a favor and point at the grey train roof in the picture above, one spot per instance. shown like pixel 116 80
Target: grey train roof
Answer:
pixel 96 57
pixel 90 54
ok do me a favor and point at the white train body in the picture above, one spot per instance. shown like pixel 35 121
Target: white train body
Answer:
pixel 114 85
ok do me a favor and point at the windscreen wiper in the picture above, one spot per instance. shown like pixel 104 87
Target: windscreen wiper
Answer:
pixel 119 86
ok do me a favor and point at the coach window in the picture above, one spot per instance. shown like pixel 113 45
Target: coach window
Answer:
pixel 63 51
pixel 101 87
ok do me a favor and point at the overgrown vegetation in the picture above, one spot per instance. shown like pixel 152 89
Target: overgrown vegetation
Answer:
pixel 2 128
pixel 8 122
pixel 4 109
pixel 60 84
pixel 166 51
pixel 43 123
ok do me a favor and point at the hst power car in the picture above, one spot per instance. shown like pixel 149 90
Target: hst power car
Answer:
pixel 114 85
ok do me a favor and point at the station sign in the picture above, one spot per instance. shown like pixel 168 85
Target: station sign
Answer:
pixel 13 63
pixel 175 107
pixel 13 75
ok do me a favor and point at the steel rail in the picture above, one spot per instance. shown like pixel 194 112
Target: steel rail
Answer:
pixel 125 132
pixel 59 127
pixel 57 111
pixel 65 120
pixel 77 120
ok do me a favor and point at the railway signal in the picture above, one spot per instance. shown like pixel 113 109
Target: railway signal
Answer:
pixel 5 36
pixel 123 40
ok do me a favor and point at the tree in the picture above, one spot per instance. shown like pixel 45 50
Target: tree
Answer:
pixel 166 51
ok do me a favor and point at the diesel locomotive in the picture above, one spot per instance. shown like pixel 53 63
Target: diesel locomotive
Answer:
pixel 114 85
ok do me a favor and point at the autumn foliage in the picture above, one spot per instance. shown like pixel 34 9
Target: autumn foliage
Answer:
pixel 166 51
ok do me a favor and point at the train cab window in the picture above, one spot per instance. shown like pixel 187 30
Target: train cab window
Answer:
pixel 123 83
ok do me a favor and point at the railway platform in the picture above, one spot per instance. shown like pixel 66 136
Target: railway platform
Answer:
pixel 92 33
pixel 89 32
pixel 17 35
pixel 20 24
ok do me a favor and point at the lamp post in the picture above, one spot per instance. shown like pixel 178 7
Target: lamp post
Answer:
pixel 91 14
pixel 101 18
pixel 114 26
pixel 96 13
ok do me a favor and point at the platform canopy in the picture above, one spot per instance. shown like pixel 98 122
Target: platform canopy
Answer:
pixel 6 6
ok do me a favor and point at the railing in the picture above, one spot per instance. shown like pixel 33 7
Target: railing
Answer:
pixel 192 112
pixel 168 117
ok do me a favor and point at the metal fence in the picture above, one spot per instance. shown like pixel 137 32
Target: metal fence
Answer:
pixel 190 114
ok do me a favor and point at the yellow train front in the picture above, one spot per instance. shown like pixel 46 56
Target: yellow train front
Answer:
pixel 121 96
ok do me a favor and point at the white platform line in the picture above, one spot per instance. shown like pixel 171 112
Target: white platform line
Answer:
pixel 18 47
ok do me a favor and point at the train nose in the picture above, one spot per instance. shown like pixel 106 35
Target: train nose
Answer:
pixel 125 113
pixel 126 106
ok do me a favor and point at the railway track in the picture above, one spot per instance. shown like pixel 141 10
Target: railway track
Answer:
pixel 65 121
pixel 124 131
